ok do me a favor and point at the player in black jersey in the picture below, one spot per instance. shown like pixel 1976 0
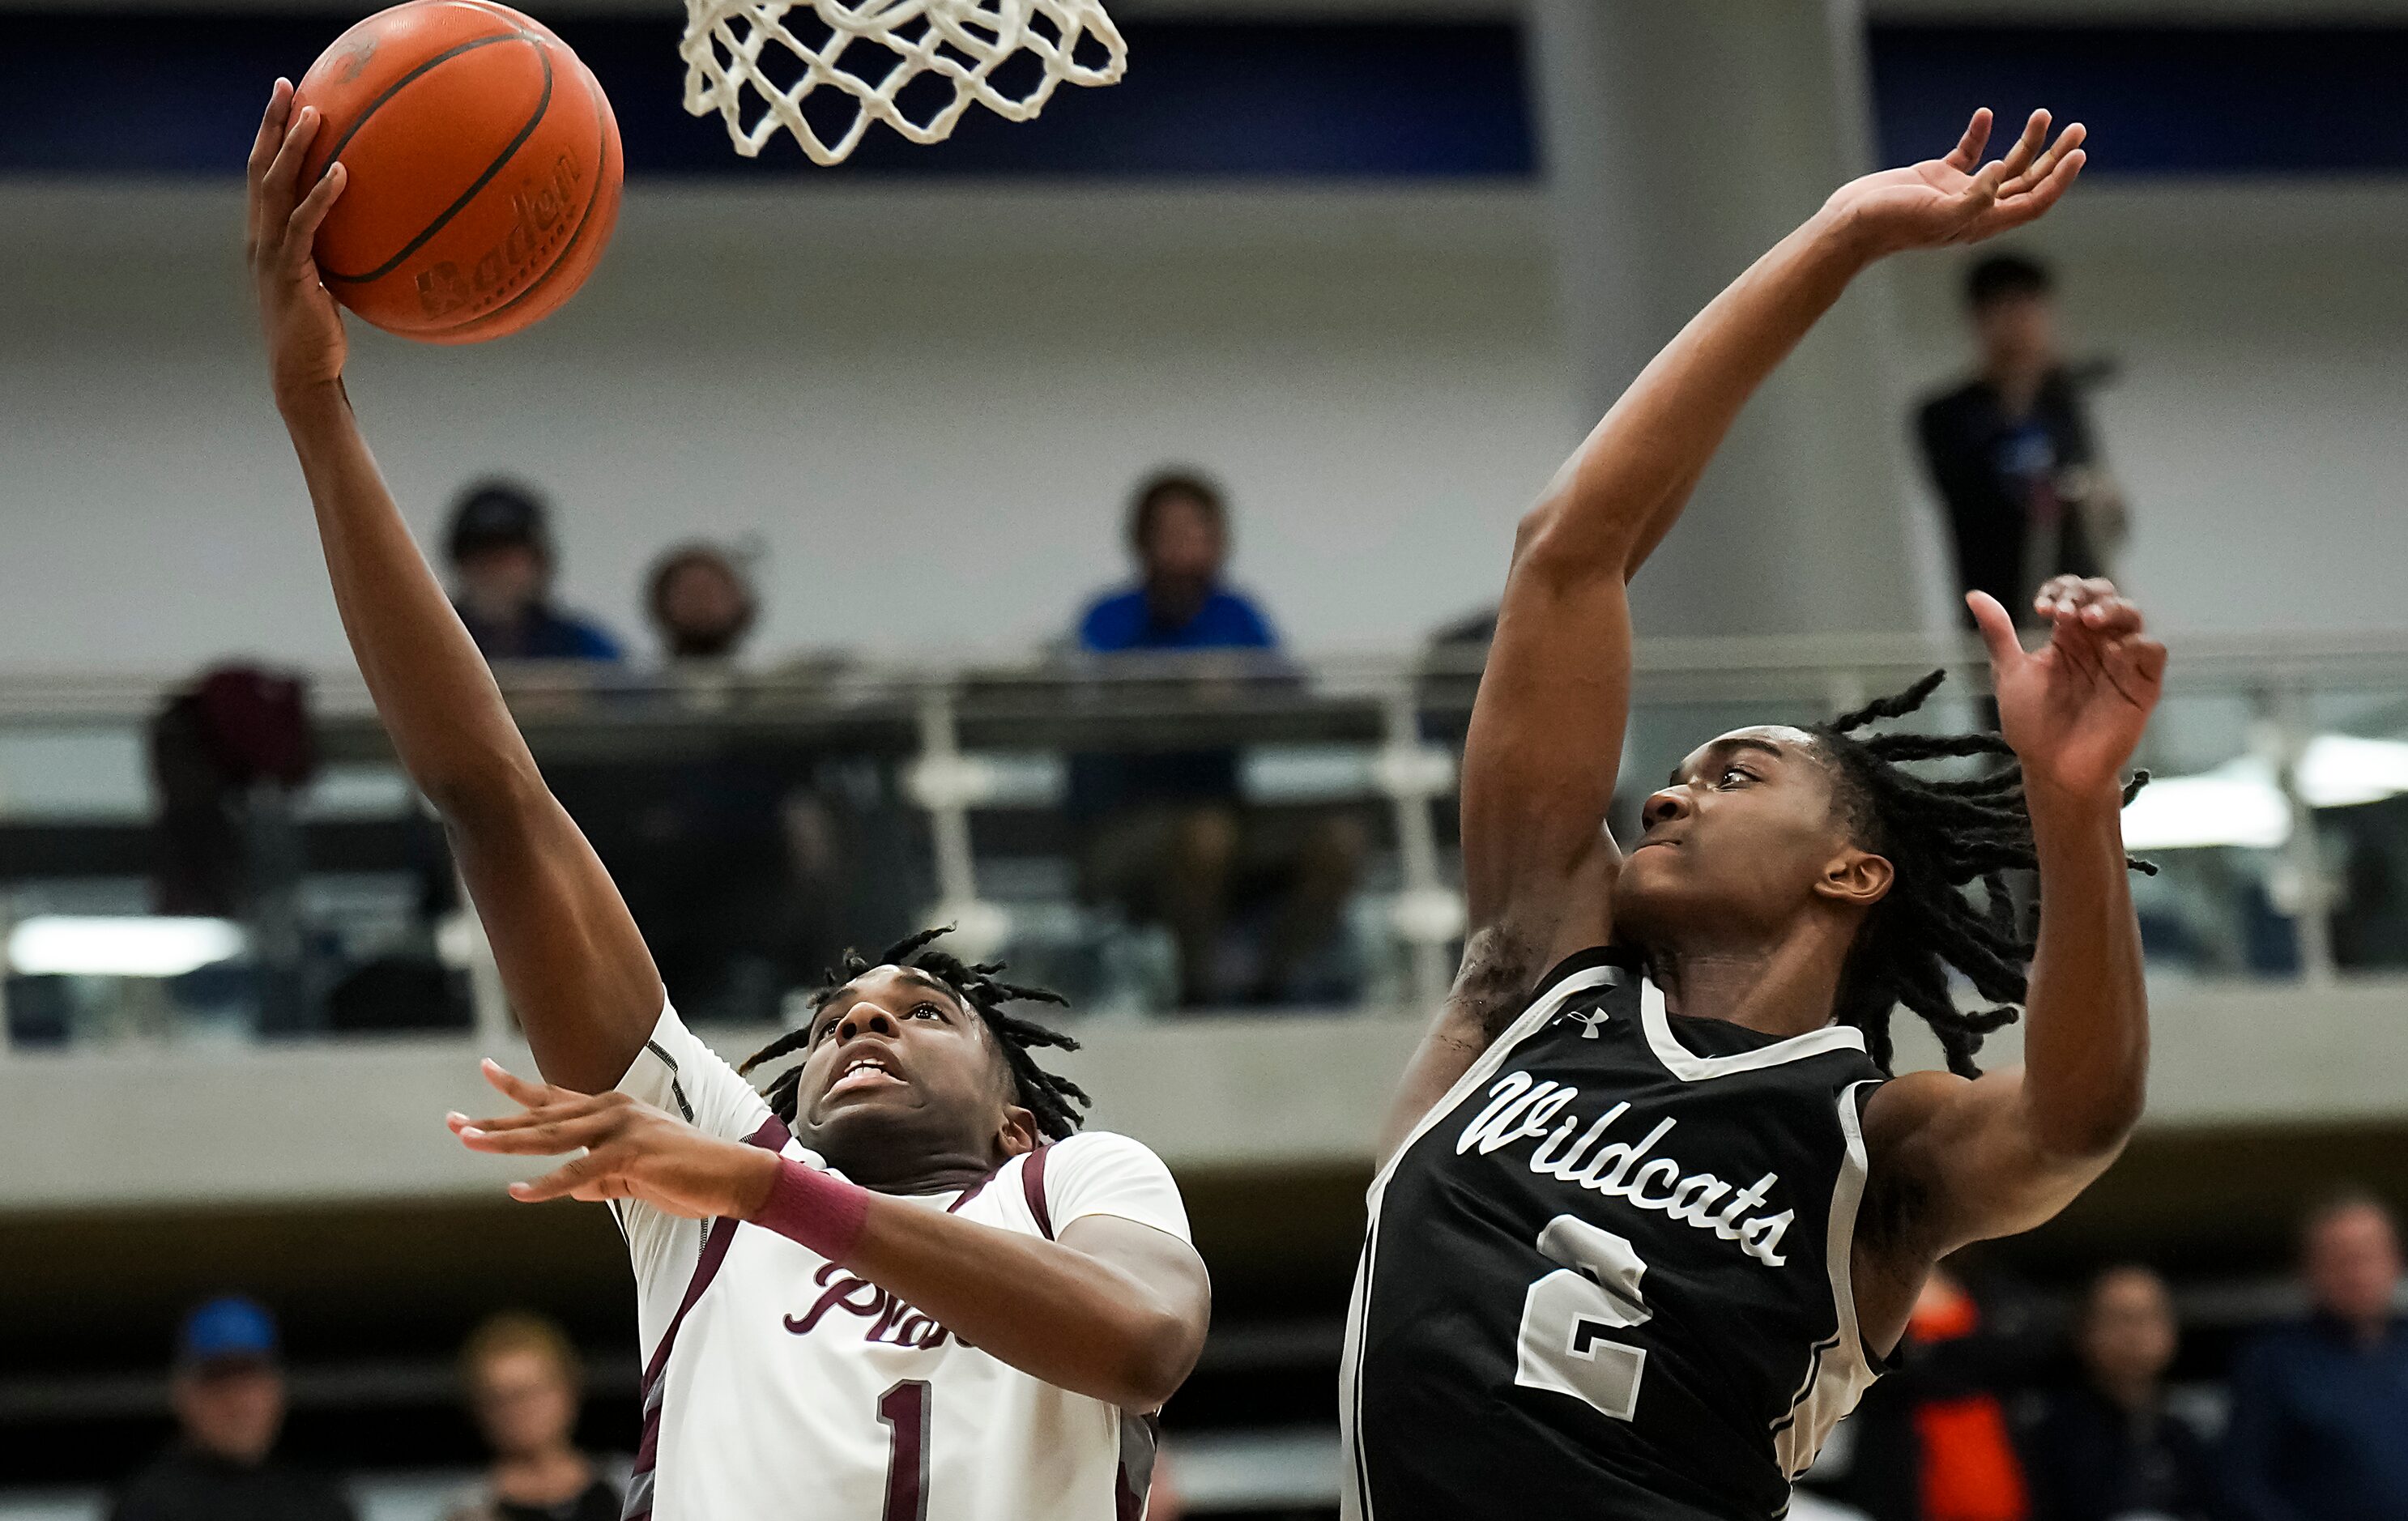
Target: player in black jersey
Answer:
pixel 1648 1223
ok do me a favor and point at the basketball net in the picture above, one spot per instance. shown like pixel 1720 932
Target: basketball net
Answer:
pixel 871 51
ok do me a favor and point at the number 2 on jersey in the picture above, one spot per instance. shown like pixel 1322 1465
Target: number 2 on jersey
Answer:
pixel 1561 1345
pixel 904 1411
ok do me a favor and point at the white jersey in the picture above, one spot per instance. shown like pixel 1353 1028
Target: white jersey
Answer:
pixel 778 1386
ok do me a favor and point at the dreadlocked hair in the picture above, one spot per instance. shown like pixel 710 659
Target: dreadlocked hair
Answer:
pixel 1941 838
pixel 1044 1094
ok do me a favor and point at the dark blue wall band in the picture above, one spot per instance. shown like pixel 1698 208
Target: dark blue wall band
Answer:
pixel 181 94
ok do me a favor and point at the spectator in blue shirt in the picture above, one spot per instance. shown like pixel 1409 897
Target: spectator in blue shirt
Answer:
pixel 2320 1410
pixel 502 562
pixel 1167 836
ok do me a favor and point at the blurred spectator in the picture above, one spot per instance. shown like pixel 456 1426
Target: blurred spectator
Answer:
pixel 522 1380
pixel 2012 449
pixel 1167 836
pixel 2110 1450
pixel 2320 1409
pixel 1932 1441
pixel 502 562
pixel 228 1391
pixel 701 603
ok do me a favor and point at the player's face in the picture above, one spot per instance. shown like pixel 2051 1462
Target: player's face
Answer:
pixel 1743 840
pixel 899 1069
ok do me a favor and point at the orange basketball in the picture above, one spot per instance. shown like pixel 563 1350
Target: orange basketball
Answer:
pixel 484 169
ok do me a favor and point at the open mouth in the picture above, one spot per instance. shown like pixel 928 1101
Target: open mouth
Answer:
pixel 863 1074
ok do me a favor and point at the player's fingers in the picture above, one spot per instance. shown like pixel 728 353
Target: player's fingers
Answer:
pixel 2112 617
pixel 2027 146
pixel 2149 658
pixel 548 1115
pixel 1997 629
pixel 276 192
pixel 2036 201
pixel 301 227
pixel 263 152
pixel 533 1094
pixel 271 132
pixel 545 1137
pixel 2053 590
pixel 559 1182
pixel 1980 198
pixel 1968 151
pixel 595 1174
pixel 2042 167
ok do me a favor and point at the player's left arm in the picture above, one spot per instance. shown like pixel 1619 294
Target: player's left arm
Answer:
pixel 1115 1310
pixel 2001 1153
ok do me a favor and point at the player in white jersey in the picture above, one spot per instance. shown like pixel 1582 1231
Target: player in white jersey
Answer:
pixel 899 1286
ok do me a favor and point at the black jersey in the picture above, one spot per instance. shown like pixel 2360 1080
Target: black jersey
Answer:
pixel 1607 1276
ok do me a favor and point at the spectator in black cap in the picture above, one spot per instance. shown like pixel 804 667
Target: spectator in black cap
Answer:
pixel 2011 451
pixel 229 1396
pixel 501 554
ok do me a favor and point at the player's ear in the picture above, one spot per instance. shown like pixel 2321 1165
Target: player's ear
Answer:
pixel 1855 876
pixel 1019 1133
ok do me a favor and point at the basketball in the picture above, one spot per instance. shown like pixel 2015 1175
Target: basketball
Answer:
pixel 484 164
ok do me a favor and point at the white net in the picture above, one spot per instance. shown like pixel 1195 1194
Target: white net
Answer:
pixel 761 59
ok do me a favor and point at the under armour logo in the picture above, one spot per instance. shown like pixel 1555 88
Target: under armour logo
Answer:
pixel 1590 1021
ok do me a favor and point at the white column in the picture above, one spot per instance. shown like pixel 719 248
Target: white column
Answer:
pixel 1680 139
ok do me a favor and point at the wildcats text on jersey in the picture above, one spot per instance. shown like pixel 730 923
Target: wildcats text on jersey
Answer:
pixel 1523 1109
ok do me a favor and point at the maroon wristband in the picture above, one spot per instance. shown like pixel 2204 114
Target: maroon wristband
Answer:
pixel 815 1210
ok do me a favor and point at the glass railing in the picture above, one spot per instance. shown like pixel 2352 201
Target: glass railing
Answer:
pixel 1148 836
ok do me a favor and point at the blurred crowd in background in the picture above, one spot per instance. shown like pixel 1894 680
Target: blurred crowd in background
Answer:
pixel 1999 1406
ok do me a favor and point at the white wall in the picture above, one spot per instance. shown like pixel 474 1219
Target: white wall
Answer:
pixel 929 403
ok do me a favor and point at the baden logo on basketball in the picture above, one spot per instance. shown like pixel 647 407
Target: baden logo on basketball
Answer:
pixel 542 207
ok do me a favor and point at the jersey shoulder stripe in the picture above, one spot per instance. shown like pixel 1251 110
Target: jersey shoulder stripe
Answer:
pixel 1032 1185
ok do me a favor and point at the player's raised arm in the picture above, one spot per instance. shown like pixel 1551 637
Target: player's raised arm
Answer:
pixel 1547 731
pixel 2003 1152
pixel 576 969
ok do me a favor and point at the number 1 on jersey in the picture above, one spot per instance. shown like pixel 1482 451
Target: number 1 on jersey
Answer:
pixel 904 1411
pixel 1561 1345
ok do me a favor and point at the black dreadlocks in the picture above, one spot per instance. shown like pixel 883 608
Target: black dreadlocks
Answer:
pixel 1940 836
pixel 1044 1094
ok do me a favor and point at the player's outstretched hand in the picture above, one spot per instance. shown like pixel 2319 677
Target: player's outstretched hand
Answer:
pixel 631 1151
pixel 2074 707
pixel 1960 199
pixel 303 328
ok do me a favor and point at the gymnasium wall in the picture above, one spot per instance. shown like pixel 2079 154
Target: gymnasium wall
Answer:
pixel 926 406
pixel 926 403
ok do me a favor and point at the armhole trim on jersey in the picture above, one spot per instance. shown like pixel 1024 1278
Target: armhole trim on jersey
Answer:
pixel 1032 1187
pixel 772 1136
pixel 1654 1020
pixel 1842 1367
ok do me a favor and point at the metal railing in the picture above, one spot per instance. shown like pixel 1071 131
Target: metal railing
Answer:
pixel 964 738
